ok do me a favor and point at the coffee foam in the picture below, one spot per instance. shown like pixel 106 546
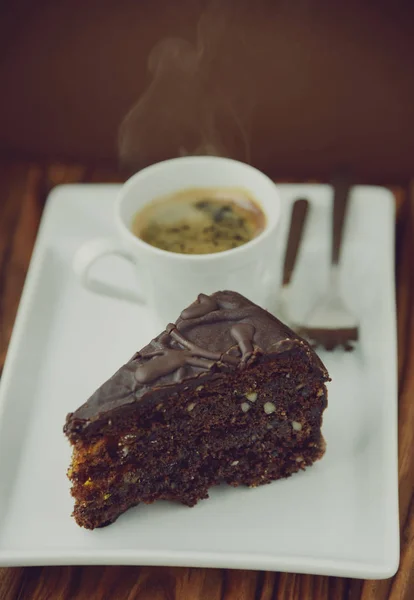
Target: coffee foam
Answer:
pixel 200 221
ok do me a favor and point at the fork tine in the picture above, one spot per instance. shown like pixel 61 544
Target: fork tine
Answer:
pixel 331 338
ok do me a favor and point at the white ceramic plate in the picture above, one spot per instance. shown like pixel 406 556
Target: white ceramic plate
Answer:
pixel 340 517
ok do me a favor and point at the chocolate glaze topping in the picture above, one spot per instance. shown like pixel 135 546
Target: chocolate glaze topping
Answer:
pixel 243 333
pixel 204 305
pixel 217 333
pixel 168 360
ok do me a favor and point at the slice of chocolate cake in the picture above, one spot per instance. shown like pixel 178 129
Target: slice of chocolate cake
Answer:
pixel 227 394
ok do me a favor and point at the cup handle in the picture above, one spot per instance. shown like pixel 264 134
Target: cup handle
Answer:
pixel 87 255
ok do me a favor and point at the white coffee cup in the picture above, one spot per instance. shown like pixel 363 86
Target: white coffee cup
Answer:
pixel 168 281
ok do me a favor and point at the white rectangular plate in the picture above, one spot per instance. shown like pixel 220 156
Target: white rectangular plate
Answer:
pixel 340 517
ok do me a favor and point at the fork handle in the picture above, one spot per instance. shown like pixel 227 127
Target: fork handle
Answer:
pixel 297 223
pixel 341 183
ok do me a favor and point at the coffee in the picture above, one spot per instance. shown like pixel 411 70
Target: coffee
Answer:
pixel 200 220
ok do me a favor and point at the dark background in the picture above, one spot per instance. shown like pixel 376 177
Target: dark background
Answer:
pixel 315 83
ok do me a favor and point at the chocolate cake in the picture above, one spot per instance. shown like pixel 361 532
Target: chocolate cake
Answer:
pixel 226 394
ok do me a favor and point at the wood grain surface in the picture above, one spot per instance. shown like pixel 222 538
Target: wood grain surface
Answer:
pixel 23 190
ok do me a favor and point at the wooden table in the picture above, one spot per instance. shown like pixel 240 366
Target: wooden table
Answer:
pixel 23 190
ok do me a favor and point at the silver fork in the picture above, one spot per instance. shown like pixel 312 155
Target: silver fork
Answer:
pixel 331 323
pixel 298 217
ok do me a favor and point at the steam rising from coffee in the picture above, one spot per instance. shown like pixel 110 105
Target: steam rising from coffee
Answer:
pixel 198 101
